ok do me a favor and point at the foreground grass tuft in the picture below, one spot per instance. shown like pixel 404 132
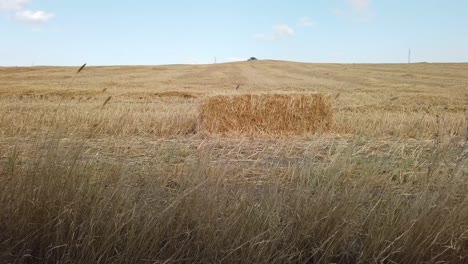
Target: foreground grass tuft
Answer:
pixel 58 206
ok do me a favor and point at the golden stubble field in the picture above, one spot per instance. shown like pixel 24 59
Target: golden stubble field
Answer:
pixel 400 101
pixel 109 165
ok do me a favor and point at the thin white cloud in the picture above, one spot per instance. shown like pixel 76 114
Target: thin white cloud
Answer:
pixel 338 12
pixel 261 36
pixel 361 5
pixel 13 4
pixel 197 60
pixel 356 10
pixel 280 32
pixel 233 59
pixel 34 17
pixel 22 13
pixel 306 22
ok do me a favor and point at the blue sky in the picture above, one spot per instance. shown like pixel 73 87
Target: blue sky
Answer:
pixel 115 32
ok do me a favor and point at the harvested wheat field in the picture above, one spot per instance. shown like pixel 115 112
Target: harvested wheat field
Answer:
pixel 265 161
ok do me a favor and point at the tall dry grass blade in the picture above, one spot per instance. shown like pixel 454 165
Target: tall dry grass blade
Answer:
pixel 81 68
pixel 107 101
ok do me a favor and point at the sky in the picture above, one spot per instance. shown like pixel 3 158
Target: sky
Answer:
pixel 144 32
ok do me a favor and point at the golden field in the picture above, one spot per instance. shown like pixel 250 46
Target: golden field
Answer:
pixel 385 100
pixel 110 165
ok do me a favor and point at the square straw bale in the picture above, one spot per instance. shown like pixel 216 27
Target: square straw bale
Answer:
pixel 269 114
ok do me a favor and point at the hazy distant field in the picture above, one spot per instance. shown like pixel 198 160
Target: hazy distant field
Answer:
pixel 108 165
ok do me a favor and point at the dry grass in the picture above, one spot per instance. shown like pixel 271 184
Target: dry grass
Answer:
pixel 108 165
pixel 378 100
pixel 119 117
pixel 266 114
pixel 351 201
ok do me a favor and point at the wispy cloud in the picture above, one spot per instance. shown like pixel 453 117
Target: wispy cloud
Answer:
pixel 338 12
pixel 232 59
pixel 279 32
pixel 22 13
pixel 306 22
pixel 14 5
pixel 361 5
pixel 33 17
pixel 356 10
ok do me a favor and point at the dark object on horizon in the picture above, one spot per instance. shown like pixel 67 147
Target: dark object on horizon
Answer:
pixel 107 100
pixel 81 68
pixel 252 59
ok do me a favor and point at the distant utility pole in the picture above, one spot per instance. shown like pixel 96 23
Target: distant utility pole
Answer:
pixel 409 56
pixel 215 60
